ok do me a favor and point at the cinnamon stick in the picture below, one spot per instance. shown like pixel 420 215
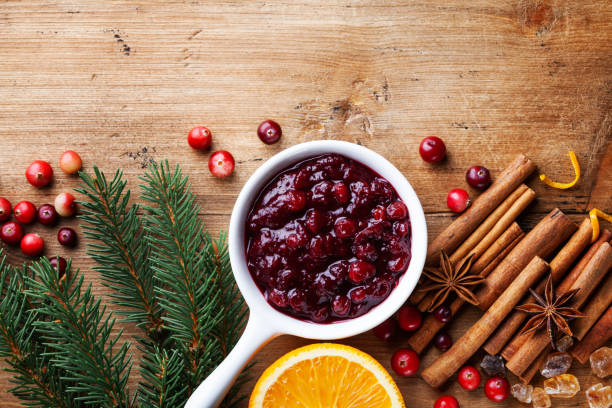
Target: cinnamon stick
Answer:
pixel 558 267
pixel 567 282
pixel 544 238
pixel 590 277
pixel 595 338
pixel 420 339
pixel 458 230
pixel 449 362
pixel 597 304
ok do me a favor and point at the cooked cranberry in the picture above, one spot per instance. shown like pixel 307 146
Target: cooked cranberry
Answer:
pixel 278 298
pixel 361 270
pixel 366 252
pixel 399 263
pixel 315 220
pixel 379 213
pixel 317 247
pixel 296 200
pixel 397 211
pixel 297 299
pixel 341 305
pixel 341 192
pixel 320 314
pixel 345 228
pixel 401 228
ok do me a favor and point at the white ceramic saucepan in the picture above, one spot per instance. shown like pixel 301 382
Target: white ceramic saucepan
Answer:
pixel 265 322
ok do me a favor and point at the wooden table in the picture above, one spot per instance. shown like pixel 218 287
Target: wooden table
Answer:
pixel 122 82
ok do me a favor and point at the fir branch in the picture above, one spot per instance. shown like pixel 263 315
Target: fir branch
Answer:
pixel 162 384
pixel 120 249
pixel 78 337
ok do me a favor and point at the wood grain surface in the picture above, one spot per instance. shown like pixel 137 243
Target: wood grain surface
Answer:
pixel 122 82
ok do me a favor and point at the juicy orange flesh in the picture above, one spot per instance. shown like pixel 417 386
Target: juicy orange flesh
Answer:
pixel 326 382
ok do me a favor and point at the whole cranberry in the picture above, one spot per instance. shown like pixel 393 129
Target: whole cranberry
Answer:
pixel 366 252
pixel 446 401
pixel 221 164
pixel 5 209
pixel 478 177
pixel 315 220
pixel 25 212
pixel 341 192
pixel 278 297
pixel 320 314
pixel 469 378
pixel 409 318
pixel 65 205
pixel 269 131
pixel 47 214
pixel 60 264
pixel 443 341
pixel 32 244
pixel 497 389
pixel 386 329
pixel 457 200
pixel 39 173
pixel 200 138
pixel 443 314
pixel 296 200
pixel 432 149
pixel 361 270
pixel 405 362
pixel 379 213
pixel 11 233
pixel 401 228
pixel 345 228
pixel 357 294
pixel 341 305
pixel 67 237
pixel 70 162
pixel 397 210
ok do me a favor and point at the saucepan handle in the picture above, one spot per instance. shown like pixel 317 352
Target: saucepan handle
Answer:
pixel 212 391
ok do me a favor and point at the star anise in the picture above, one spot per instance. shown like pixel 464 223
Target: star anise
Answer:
pixel 552 310
pixel 448 279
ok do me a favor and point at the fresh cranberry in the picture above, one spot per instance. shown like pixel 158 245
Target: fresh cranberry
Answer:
pixel 70 162
pixel 47 214
pixel 32 244
pixel 345 228
pixel 5 209
pixel 446 401
pixel 457 200
pixel 478 177
pixel 397 211
pixel 409 318
pixel 432 149
pixel 39 173
pixel 65 205
pixel 11 233
pixel 405 362
pixel 67 237
pixel 60 264
pixel 386 329
pixel 497 389
pixel 443 314
pixel 341 192
pixel 221 164
pixel 341 305
pixel 199 138
pixel 25 212
pixel 469 378
pixel 269 131
pixel 443 341
pixel 361 270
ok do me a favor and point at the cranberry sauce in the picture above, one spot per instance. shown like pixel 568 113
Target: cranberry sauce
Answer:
pixel 328 239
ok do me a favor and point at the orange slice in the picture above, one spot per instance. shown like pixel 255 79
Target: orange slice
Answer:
pixel 326 375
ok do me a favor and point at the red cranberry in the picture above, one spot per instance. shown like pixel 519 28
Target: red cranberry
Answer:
pixel 295 240
pixel 497 389
pixel 397 211
pixel 65 205
pixel 443 341
pixel 32 244
pixel 39 173
pixel 315 220
pixel 443 314
pixel 379 213
pixel 11 233
pixel 401 228
pixel 269 131
pixel 398 263
pixel 341 193
pixel 366 252
pixel 296 200
pixel 341 305
pixel 60 264
pixel 70 162
pixel 221 164
pixel 405 362
pixel 409 318
pixel 320 314
pixel 278 297
pixel 457 200
pixel 357 294
pixel 297 299
pixel 67 237
pixel 47 214
pixel 199 138
pixel 386 329
pixel 446 401
pixel 345 228
pixel 25 212
pixel 432 149
pixel 469 378
pixel 478 177
pixel 361 270
pixel 5 209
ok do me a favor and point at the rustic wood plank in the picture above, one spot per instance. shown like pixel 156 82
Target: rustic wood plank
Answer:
pixel 122 82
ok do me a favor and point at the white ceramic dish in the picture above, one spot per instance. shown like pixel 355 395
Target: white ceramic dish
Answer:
pixel 265 322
